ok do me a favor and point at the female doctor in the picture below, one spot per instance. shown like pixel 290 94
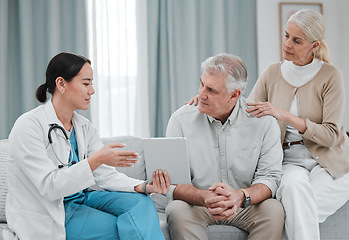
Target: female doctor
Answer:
pixel 56 156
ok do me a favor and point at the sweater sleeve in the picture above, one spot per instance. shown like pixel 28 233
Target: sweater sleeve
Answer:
pixel 327 133
pixel 259 91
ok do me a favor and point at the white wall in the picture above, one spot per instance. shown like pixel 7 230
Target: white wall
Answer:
pixel 337 34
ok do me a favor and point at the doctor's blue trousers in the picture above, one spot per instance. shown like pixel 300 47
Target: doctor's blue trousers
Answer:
pixel 112 215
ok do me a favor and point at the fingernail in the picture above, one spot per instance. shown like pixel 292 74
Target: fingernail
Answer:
pixel 165 171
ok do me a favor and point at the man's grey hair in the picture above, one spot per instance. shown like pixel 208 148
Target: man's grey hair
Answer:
pixel 232 66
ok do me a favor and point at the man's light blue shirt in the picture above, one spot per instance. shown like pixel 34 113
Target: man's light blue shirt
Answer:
pixel 243 151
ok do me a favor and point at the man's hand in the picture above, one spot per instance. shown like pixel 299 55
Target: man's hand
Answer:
pixel 209 195
pixel 225 204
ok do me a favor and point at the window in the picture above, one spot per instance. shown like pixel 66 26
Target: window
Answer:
pixel 113 52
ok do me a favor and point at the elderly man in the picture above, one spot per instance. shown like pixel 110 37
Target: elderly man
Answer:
pixel 235 159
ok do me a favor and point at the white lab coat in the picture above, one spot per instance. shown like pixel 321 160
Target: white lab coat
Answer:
pixel 36 186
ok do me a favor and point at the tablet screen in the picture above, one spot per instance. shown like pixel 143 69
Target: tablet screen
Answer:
pixel 168 154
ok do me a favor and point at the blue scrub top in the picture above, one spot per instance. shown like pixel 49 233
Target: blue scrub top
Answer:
pixel 71 202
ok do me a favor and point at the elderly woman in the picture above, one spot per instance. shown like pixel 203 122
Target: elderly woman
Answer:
pixel 305 93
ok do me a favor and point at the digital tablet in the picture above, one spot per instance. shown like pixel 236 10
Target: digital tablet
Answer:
pixel 168 154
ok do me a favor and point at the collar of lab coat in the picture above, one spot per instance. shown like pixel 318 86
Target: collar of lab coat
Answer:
pixel 52 118
pixel 78 121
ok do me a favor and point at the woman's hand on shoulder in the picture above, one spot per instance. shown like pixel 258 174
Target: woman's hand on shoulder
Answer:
pixel 260 109
pixel 112 155
pixel 193 100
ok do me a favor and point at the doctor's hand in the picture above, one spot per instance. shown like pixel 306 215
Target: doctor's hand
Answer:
pixel 111 155
pixel 225 205
pixel 161 182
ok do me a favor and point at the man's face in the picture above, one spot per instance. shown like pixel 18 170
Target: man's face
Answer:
pixel 214 100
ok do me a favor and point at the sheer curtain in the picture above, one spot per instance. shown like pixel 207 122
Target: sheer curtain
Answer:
pixel 31 33
pixel 119 106
pixel 181 35
pixel 147 54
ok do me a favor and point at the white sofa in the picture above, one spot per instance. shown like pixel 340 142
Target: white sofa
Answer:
pixel 335 227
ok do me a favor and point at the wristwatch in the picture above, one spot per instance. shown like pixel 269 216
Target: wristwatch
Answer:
pixel 247 201
pixel 144 188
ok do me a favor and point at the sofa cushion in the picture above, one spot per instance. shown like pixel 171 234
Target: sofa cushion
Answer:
pixel 224 232
pixel 336 225
pixel 4 150
pixel 134 144
pixel 160 201
pixel 164 226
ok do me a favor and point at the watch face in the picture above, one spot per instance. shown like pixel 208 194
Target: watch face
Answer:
pixel 247 202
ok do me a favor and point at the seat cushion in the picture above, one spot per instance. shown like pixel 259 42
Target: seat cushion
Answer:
pixel 336 226
pixel 224 232
pixel 164 226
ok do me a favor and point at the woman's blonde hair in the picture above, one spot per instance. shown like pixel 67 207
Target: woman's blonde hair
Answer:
pixel 313 26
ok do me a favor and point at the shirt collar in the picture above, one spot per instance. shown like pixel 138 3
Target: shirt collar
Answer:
pixel 231 117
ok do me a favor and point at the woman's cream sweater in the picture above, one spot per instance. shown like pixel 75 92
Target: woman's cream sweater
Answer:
pixel 321 104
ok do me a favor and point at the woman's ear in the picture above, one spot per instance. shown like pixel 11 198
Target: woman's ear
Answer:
pixel 316 44
pixel 60 84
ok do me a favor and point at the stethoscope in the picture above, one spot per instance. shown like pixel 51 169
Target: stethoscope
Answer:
pixel 53 126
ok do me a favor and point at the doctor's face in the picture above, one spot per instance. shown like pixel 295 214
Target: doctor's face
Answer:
pixel 79 90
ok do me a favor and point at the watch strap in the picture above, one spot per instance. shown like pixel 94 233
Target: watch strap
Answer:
pixel 144 188
pixel 247 201
pixel 247 195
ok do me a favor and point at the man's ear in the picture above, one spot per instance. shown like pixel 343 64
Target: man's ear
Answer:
pixel 235 95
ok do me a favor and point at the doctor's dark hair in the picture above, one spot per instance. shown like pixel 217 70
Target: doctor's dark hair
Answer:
pixel 65 65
